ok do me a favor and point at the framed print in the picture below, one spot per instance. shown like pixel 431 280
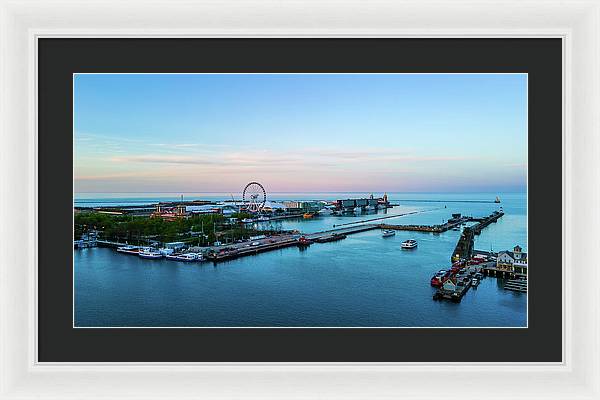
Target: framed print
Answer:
pixel 282 209
pixel 312 247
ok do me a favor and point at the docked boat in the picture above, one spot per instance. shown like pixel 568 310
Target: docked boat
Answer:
pixel 388 233
pixel 409 244
pixel 262 218
pixel 474 282
pixel 357 210
pixel 247 220
pixel 325 211
pixel 150 253
pixel 185 257
pixel 129 249
pixel 308 215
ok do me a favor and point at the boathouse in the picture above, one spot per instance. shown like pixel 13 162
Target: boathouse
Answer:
pixel 512 261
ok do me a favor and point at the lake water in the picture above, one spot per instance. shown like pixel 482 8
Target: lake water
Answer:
pixel 364 280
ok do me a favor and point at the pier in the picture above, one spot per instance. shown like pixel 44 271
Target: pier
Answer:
pixel 465 247
pixel 229 253
pixel 345 231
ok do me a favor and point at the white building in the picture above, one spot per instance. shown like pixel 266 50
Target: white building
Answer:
pixel 512 261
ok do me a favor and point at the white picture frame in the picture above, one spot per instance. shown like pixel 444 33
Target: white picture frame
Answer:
pixel 23 22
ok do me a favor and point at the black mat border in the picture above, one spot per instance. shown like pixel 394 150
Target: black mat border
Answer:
pixel 59 58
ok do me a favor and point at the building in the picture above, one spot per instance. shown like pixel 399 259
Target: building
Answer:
pixel 174 245
pixel 512 261
pixel 301 206
pixel 272 206
pixel 450 284
pixel 169 213
pixel 292 206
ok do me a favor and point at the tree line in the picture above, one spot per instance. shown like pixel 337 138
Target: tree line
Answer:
pixel 197 229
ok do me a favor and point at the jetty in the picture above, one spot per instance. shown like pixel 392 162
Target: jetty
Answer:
pixel 465 247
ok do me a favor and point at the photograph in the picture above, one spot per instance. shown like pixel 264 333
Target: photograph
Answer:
pixel 300 200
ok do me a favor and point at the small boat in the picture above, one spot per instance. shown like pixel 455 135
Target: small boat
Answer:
pixel 497 200
pixel 357 210
pixel 388 233
pixel 129 249
pixel 409 244
pixel 325 211
pixel 308 215
pixel 185 257
pixel 474 282
pixel 262 218
pixel 247 220
pixel 150 253
pixel 456 228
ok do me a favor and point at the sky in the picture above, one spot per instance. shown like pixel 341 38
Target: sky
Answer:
pixel 300 132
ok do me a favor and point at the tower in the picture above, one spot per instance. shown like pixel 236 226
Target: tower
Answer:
pixel 517 252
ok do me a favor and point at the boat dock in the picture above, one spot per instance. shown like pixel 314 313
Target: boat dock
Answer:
pixel 108 243
pixel 516 285
pixel 454 295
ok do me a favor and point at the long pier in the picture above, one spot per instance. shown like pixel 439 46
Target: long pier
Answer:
pixel 466 243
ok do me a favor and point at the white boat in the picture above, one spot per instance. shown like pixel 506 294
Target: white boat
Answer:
pixel 129 249
pixel 247 220
pixel 388 233
pixel 150 253
pixel 357 210
pixel 409 244
pixel 262 219
pixel 369 208
pixel 497 200
pixel 185 257
pixel 325 211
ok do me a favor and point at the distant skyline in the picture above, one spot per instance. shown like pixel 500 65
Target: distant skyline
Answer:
pixel 300 132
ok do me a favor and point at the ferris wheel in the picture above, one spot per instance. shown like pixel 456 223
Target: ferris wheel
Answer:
pixel 254 197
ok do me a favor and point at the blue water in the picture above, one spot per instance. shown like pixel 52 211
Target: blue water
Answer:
pixel 364 280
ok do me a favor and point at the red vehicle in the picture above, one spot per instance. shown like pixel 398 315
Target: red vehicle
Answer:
pixel 439 278
pixel 303 241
